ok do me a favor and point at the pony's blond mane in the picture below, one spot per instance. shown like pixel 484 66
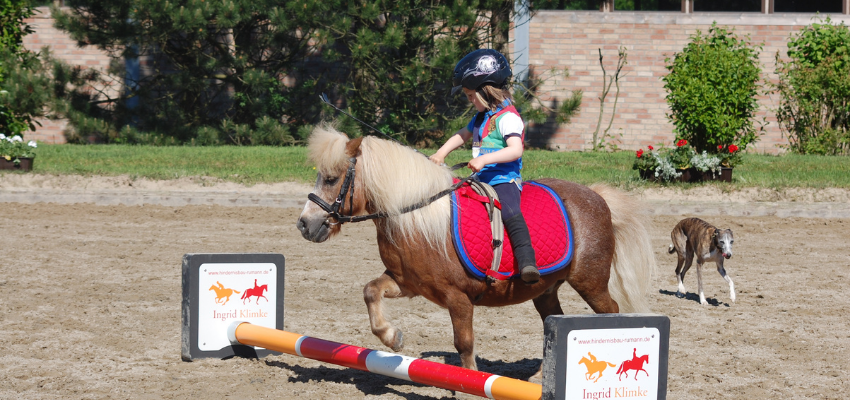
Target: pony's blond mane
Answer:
pixel 394 177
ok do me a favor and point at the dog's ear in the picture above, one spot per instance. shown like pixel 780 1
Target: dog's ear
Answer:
pixel 714 235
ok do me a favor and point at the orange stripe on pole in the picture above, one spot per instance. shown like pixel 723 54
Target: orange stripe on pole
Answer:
pixel 272 339
pixel 514 389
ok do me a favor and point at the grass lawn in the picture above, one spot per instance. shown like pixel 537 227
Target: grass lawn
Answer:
pixel 249 165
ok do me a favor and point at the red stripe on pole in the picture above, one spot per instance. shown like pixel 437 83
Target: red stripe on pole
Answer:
pixel 335 353
pixel 448 377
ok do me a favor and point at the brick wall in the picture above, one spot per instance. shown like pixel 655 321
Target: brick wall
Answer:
pixel 571 39
pixel 66 49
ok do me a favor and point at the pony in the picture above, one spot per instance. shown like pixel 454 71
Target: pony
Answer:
pixel 594 367
pixel 372 178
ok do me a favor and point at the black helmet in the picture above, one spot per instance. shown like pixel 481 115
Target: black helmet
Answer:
pixel 480 67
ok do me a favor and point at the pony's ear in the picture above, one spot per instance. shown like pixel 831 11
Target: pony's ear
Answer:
pixel 352 148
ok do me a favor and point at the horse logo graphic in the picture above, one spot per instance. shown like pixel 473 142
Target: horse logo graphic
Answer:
pixel 636 364
pixel 255 291
pixel 594 367
pixel 222 294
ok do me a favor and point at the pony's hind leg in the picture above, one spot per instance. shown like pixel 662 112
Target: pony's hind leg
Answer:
pixel 373 294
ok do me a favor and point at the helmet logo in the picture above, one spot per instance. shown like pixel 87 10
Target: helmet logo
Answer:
pixel 486 65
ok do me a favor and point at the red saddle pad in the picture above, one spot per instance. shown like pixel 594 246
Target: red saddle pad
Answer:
pixel 548 225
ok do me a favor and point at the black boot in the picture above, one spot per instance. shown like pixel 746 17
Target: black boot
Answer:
pixel 523 252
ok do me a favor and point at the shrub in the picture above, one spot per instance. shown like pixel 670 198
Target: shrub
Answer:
pixel 814 89
pixel 712 87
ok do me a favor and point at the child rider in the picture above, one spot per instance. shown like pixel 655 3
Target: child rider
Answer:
pixel 497 132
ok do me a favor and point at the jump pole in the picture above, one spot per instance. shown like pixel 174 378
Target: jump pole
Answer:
pixel 389 364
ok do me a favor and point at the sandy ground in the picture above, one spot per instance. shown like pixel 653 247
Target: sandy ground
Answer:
pixel 90 293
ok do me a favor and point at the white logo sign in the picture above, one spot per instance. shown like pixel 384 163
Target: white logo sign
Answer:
pixel 613 363
pixel 230 292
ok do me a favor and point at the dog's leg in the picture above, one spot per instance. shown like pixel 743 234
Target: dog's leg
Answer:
pixel 686 259
pixel 699 282
pixel 680 247
pixel 722 272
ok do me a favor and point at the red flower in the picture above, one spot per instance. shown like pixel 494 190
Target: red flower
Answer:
pixel 639 153
pixel 681 143
pixel 733 148
pixel 650 147
pixel 719 147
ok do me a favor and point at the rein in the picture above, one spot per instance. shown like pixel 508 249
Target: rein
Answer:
pixel 334 210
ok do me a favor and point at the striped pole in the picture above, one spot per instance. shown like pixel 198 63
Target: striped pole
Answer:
pixel 383 363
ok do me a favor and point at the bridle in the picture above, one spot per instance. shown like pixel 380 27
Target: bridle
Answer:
pixel 336 209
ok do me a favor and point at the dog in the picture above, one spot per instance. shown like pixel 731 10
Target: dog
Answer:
pixel 695 237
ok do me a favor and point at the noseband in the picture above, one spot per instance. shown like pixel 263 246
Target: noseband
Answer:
pixel 334 210
pixel 347 188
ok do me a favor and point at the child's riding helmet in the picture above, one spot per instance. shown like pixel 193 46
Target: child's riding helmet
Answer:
pixel 480 67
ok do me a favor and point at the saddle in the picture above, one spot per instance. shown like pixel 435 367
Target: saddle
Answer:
pixel 473 237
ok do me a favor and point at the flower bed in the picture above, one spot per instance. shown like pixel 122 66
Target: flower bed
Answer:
pixel 683 164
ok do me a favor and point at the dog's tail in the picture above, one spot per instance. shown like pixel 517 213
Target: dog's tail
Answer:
pixel 671 249
pixel 634 261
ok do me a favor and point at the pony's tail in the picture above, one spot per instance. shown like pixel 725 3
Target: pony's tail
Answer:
pixel 634 261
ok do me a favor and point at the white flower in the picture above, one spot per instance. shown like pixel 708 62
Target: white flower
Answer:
pixel 32 144
pixel 2 136
pixel 17 138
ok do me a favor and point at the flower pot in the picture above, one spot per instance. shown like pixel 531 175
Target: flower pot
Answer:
pixel 725 175
pixel 686 175
pixel 25 164
pixel 648 174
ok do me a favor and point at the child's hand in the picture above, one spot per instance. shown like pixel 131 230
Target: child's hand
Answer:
pixel 436 159
pixel 476 164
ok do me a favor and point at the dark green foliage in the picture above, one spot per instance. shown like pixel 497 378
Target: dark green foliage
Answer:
pixel 712 87
pixel 251 72
pixel 814 89
pixel 212 68
pixel 23 87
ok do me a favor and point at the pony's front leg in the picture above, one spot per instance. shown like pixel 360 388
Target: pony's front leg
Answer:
pixel 460 311
pixel 374 293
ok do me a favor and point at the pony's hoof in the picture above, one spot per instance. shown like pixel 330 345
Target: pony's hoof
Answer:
pixel 680 295
pixel 398 341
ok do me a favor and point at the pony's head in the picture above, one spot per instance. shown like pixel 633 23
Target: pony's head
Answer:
pixel 387 177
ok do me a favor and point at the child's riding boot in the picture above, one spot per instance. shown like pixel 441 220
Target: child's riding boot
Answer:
pixel 523 252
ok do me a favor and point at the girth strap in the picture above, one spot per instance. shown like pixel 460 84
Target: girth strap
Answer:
pixel 494 210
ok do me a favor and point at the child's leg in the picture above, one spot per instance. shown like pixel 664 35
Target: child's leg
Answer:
pixel 517 230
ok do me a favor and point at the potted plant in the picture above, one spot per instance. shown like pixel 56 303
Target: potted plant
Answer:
pixel 729 156
pixel 705 166
pixel 679 160
pixel 15 154
pixel 646 163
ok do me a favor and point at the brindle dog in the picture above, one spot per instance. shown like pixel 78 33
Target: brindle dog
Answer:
pixel 695 237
